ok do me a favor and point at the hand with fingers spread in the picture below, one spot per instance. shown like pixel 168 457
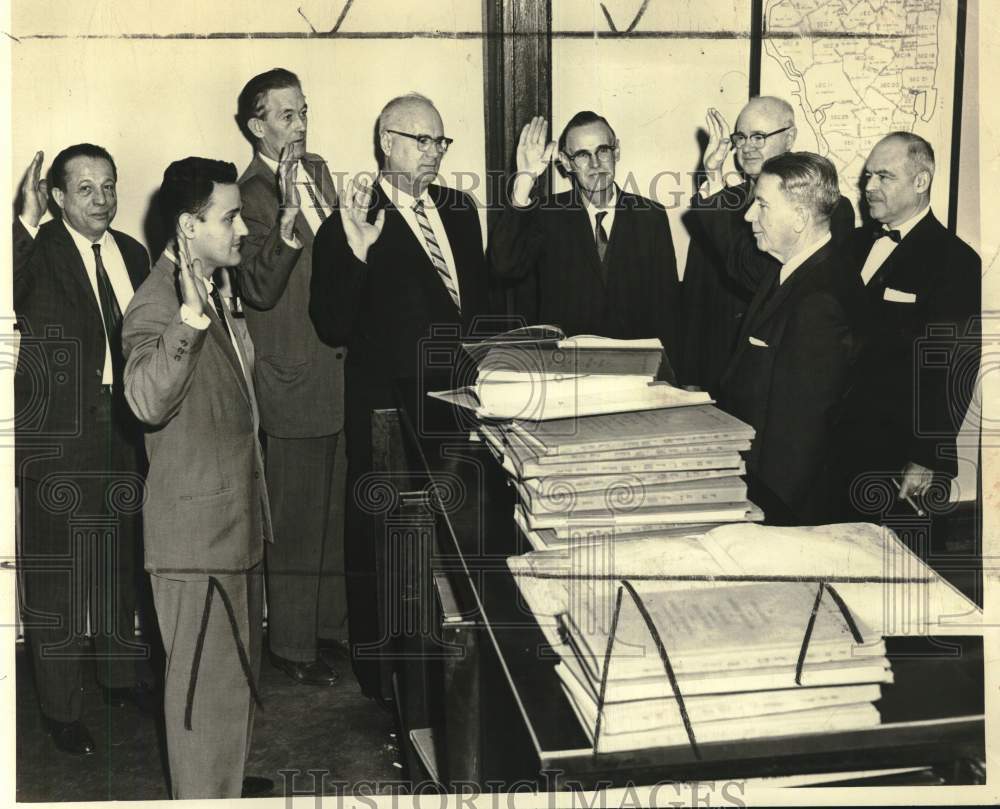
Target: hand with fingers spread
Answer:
pixel 916 481
pixel 719 140
pixel 34 192
pixel 193 292
pixel 288 193
pixel 534 154
pixel 361 234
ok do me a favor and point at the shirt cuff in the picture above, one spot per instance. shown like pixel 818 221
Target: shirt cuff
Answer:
pixel 32 229
pixel 293 242
pixel 200 322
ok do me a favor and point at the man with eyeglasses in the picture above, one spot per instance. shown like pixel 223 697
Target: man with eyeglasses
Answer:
pixel 400 261
pixel 603 258
pixel 716 292
pixel 287 193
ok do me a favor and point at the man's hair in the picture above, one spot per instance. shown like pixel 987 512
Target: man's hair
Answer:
pixel 57 171
pixel 784 111
pixel 918 151
pixel 188 184
pixel 807 179
pixel 395 103
pixel 251 101
pixel 583 118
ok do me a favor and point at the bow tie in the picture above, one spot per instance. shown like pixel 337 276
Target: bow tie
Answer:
pixel 895 235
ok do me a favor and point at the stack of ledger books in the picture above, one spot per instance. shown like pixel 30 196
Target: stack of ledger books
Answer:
pixel 597 448
pixel 747 661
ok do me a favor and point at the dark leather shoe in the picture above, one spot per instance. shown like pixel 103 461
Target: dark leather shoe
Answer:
pixel 143 696
pixel 315 672
pixel 72 737
pixel 256 786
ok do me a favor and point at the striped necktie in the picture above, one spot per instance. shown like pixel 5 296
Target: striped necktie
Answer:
pixel 437 258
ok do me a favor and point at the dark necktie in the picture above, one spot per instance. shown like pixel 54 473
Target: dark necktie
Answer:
pixel 315 200
pixel 220 309
pixel 894 235
pixel 601 235
pixel 110 313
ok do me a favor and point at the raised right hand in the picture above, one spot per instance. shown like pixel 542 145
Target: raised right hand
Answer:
pixel 534 151
pixel 34 192
pixel 360 233
pixel 718 141
pixel 193 292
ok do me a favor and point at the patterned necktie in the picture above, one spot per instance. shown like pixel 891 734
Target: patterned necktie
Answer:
pixel 220 309
pixel 320 211
pixel 437 258
pixel 111 314
pixel 894 235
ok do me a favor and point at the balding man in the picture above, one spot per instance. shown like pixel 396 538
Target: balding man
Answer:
pixel 397 260
pixel 715 298
pixel 916 374
pixel 798 342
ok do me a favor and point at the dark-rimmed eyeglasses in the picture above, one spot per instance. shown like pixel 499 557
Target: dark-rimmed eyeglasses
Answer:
pixel 424 142
pixel 581 159
pixel 737 139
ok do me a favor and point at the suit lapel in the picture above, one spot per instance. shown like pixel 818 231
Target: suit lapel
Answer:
pixel 903 256
pixel 136 272
pixel 76 272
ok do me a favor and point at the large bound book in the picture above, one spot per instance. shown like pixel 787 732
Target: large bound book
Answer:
pixel 555 487
pixel 698 424
pixel 566 356
pixel 738 511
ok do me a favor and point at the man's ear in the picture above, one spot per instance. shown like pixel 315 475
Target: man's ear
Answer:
pixel 802 217
pixel 385 141
pixel 618 150
pixel 922 182
pixel 256 127
pixel 59 196
pixel 790 138
pixel 185 224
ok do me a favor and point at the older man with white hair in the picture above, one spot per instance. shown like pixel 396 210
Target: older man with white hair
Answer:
pixel 398 259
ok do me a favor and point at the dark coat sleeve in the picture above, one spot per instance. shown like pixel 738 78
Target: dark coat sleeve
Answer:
pixel 337 286
pixel 265 259
pixel 517 243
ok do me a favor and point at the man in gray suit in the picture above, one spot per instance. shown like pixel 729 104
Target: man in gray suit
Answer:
pixel 300 383
pixel 189 378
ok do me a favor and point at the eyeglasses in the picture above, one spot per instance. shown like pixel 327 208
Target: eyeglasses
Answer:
pixel 582 158
pixel 737 139
pixel 424 142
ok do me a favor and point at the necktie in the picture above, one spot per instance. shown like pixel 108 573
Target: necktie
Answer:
pixel 437 258
pixel 894 235
pixel 320 212
pixel 601 238
pixel 220 309
pixel 111 314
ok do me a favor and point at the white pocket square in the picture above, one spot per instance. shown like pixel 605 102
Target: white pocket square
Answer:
pixel 755 342
pixel 896 296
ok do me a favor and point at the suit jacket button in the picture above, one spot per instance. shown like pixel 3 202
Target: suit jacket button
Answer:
pixel 256 474
pixel 340 355
pixel 98 372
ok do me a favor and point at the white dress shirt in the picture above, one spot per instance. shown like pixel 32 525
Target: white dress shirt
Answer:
pixel 593 211
pixel 114 266
pixel 883 247
pixel 404 202
pixel 799 258
pixel 302 179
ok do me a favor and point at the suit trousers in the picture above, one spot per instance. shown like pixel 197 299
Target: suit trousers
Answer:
pixel 79 542
pixel 207 759
pixel 306 589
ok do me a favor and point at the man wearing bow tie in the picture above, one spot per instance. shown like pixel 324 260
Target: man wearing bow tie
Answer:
pixel 922 282
pixel 300 380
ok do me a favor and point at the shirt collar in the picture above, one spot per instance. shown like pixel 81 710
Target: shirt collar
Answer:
pixel 83 244
pixel 910 223
pixel 800 258
pixel 401 198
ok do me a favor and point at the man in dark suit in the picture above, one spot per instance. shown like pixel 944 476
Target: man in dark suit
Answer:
pixel 713 301
pixel 190 379
pixel 798 342
pixel 917 372
pixel 602 258
pixel 397 262
pixel 79 450
pixel 300 379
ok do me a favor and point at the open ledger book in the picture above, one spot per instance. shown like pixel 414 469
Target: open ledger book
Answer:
pixel 550 377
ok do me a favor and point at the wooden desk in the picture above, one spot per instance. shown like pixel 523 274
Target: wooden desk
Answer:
pixel 474 676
